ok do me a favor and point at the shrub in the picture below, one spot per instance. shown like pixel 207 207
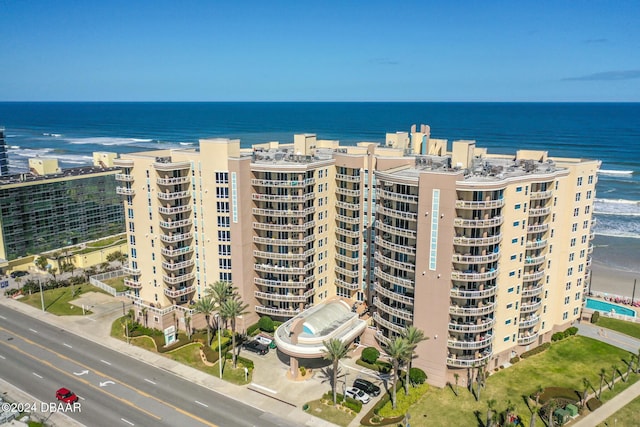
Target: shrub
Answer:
pixel 354 405
pixel 303 371
pixel 417 376
pixel 570 331
pixel 595 317
pixel 514 360
pixel 539 349
pixel 557 336
pixel 266 324
pixel 593 404
pixel 370 355
pixel 253 329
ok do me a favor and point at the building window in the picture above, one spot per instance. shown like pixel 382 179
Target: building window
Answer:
pixel 576 211
pixel 571 255
pixel 587 209
pixel 517 206
pixel 565 315
pixel 573 242
pixel 518 189
pixel 570 271
pixel 579 181
pixel 516 223
pixel 589 195
pixel 506 339
pixel 567 286
pixel 577 197
pixel 566 300
pixel 507 322
pixel 222 177
pixel 590 179
pixel 574 227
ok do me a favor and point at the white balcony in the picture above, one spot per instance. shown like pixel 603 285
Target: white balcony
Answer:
pixel 393 295
pixel 536 244
pixel 477 241
pixel 389 195
pixel 539 228
pixel 280 284
pixel 174 280
pixel 387 324
pixel 472 311
pixel 171 166
pixel 175 266
pixel 470 345
pixel 177 293
pixel 173 195
pixel 476 259
pixel 467 361
pixel 478 223
pixel 175 224
pixel 532 276
pixel 526 340
pixel 272 296
pixel 176 237
pixel 134 284
pixel 397 312
pixel 473 294
pixel 412 216
pixel 275 311
pixel 406 283
pixel 124 177
pixel 529 322
pixel 293 183
pixel 470 276
pixel 479 204
pixel 125 191
pixel 172 210
pixel 480 326
pixel 173 181
pixel 176 252
pixel 539 195
pixel 351 286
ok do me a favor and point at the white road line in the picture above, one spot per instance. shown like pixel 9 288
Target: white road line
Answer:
pixel 2 357
pixel 80 397
pixel 149 381
pixel 33 330
pixel 66 345
pixel 105 362
pixel 200 403
pixel 39 376
pixel 264 388
pixel 3 318
pixel 128 422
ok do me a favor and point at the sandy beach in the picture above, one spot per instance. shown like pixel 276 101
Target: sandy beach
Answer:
pixel 615 266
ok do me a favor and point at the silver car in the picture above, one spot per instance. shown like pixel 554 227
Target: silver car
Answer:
pixel 357 394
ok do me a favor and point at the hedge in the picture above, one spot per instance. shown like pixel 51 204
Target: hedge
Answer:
pixel 595 317
pixel 593 403
pixel 370 355
pixel 379 366
pixel 539 349
pixel 353 404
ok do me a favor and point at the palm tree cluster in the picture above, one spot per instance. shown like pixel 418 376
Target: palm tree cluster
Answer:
pixel 401 350
pixel 222 298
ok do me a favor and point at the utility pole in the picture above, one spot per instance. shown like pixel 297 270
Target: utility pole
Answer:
pixel 41 295
pixel 634 290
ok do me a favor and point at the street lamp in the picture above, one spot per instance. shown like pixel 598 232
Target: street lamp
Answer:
pixel 41 295
pixel 217 317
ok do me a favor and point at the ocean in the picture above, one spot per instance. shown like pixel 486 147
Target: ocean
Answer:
pixel 610 132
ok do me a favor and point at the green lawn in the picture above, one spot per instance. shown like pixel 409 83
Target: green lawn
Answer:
pixel 117 283
pixel 330 413
pixel 107 241
pixel 56 301
pixel 563 365
pixel 628 328
pixel 629 416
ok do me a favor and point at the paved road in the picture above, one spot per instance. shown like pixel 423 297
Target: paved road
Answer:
pixel 116 389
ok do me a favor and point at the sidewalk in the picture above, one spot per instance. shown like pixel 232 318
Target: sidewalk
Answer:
pixel 282 396
pixel 612 406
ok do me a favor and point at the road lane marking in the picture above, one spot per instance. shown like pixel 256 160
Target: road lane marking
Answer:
pixel 66 345
pixel 3 318
pixel 128 422
pixel 39 376
pixel 2 357
pixel 33 330
pixel 85 372
pixel 203 404
pixel 105 362
pixel 97 372
pixel 149 381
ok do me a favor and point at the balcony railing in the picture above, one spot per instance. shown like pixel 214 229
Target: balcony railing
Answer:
pixel 539 211
pixel 479 204
pixel 470 345
pixel 176 237
pixel 387 324
pixel 532 276
pixel 473 276
pixel 177 265
pixel 477 241
pixel 535 260
pixel 476 259
pixel 171 210
pixel 280 284
pixel 537 290
pixel 385 228
pixel 274 311
pixel 175 224
pixel 284 227
pixel 170 166
pixel 126 191
pixel 272 296
pixel 127 269
pixel 173 181
pixel 350 178
pixel 538 195
pixel 348 273
pixel 483 325
pixel 535 244
pixel 530 308
pixel 176 293
pixel 283 198
pixel 346 285
pixel 132 283
pixel 406 283
pixel 468 361
pixel 412 216
pixel 380 290
pixel 528 339
pixel 289 183
pixel 348 233
pixel 124 177
pixel 397 312
pixel 472 311
pixel 178 279
pixel 389 195
pixel 284 242
pixel 478 223
pixel 393 263
pixel 174 195
pixel 269 268
pixel 350 206
pixel 527 323
pixel 410 250
pixel 176 252
pixel 288 256
pixel 537 228
pixel 295 213
pixel 473 294
pixel 347 246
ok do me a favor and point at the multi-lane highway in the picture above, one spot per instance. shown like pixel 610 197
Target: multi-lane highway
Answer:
pixel 114 389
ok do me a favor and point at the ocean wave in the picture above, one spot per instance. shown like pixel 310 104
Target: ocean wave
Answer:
pixel 617 225
pixel 614 172
pixel 107 141
pixel 620 207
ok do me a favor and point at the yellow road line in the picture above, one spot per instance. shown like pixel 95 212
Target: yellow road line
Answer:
pixel 175 408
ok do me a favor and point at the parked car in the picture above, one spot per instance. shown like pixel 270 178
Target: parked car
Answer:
pixel 65 395
pixel 263 340
pixel 18 273
pixel 367 386
pixel 255 347
pixel 357 394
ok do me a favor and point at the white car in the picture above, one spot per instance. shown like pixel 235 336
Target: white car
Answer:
pixel 263 340
pixel 357 394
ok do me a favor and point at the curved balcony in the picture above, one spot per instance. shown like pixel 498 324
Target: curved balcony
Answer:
pixel 532 276
pixel 348 192
pixel 284 284
pixel 480 204
pixel 269 268
pixel 123 163
pixel 283 198
pixel 478 223
pixel 539 211
pixel 389 195
pixel 274 311
pixel 178 265
pixel 528 339
pixel 393 295
pixel 175 195
pixel 288 256
pixel 171 166
pixel 590 249
pixel 535 260
pixel 349 178
pixel 473 294
pixel 284 227
pixel 350 206
pixel 472 311
pixel 476 259
pixel 530 308
pixel 482 326
pixel 172 210
pixel 177 180
pixel 394 247
pixel 467 361
pixel 412 216
pixel 397 312
pixel 293 183
pixel 347 246
pixel 535 291
pixel 176 252
pixel 540 228
pixel 346 285
pixel 348 233
pixel 125 191
pixel 385 228
pixel 539 195
pixel 536 244
pixel 471 276
pixel 387 324
pixel 527 323
pixel 348 219
pixel 477 241
pixel 284 242
pixel 348 273
pixel 178 279
pixel 406 283
pixel 176 237
pixel 127 269
pixel 177 293
pixel 592 235
pixel 588 264
pixel 175 224
pixel 134 284
pixel 347 259
pixel 469 345
pixel 393 263
pixel 272 296
pixel 124 177
pixel 295 213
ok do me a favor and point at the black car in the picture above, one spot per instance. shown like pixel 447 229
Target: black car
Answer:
pixel 18 273
pixel 367 386
pixel 256 347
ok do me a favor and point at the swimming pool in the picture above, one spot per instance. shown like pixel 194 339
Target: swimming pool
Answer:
pixel 596 304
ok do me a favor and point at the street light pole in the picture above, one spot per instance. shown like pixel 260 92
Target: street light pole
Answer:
pixel 41 295
pixel 219 345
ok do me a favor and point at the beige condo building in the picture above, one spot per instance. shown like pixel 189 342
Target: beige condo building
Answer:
pixel 487 254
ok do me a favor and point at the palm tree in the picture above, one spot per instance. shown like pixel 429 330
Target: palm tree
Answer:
pixel 491 404
pixel 603 373
pixel 187 325
pixel 587 385
pixel 205 306
pixel 335 350
pixel 509 410
pixel 219 292
pixel 414 336
pixel 629 365
pixel 638 362
pixel 534 412
pixel 551 407
pixel 230 309
pixel 398 350
pixel 457 378
pixel 614 370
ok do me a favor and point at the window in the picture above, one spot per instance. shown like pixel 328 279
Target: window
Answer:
pixel 224 249
pixel 573 242
pixel 570 271
pixel 575 311
pixel 582 253
pixel 507 322
pixel 513 257
pixel 224 263
pixel 577 297
pixel 222 177
pixel 515 240
pixel 577 197
pixel 584 239
pixel 576 211
pixel 589 195
pixel 567 287
pixel 506 338
pixel 518 189
pixel 571 255
pixel 587 209
pixel 566 300
pixel 223 221
pixel 590 179
pixel 222 192
pixel 565 315
pixel 585 224
pixel 516 223
pixel 510 290
pixel 517 206
pixel 579 181
pixel 512 273
pixel 224 236
pixel 510 305
pixel 574 227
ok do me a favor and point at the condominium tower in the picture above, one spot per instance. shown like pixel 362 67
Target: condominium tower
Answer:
pixel 487 254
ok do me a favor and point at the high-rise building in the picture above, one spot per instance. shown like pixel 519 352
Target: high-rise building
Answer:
pixel 4 159
pixel 487 254
pixel 49 207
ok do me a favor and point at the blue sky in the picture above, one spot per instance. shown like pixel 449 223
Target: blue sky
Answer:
pixel 319 51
